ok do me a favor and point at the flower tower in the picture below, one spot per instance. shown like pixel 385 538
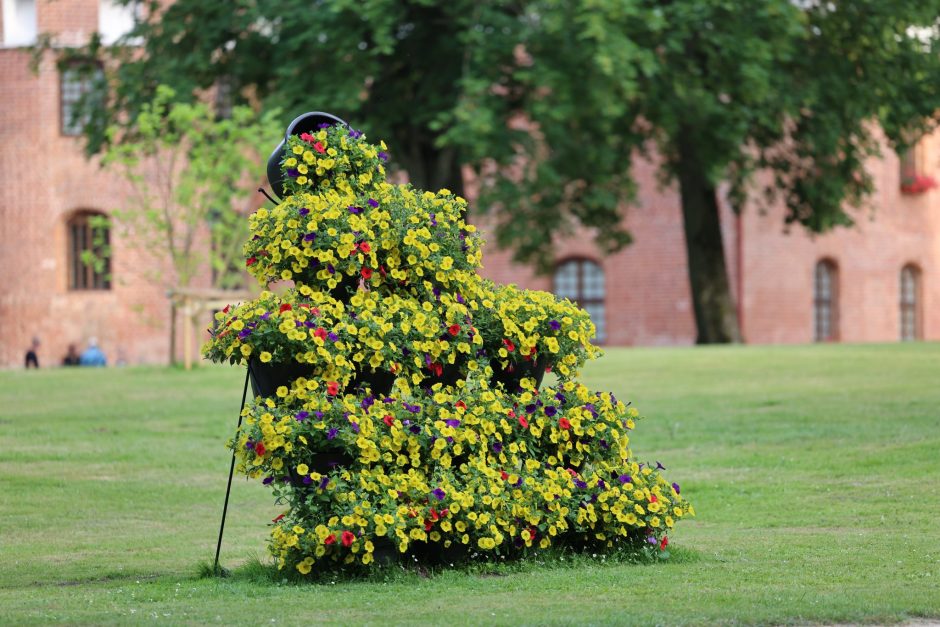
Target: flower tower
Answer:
pixel 399 405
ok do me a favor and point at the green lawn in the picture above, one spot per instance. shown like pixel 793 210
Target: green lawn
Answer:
pixel 815 473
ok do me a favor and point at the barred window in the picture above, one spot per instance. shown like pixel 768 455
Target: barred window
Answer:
pixel 910 303
pixel 89 252
pixel 825 302
pixel 76 86
pixel 582 281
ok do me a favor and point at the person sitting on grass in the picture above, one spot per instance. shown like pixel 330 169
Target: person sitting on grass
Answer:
pixel 93 356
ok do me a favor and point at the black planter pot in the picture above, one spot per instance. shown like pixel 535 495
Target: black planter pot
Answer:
pixel 266 378
pixel 380 382
pixel 450 375
pixel 511 376
pixel 305 123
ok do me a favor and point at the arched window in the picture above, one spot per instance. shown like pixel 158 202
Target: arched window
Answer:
pixel 910 303
pixel 826 302
pixel 89 251
pixel 582 281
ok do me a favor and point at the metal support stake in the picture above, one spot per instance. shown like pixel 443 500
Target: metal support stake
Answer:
pixel 231 471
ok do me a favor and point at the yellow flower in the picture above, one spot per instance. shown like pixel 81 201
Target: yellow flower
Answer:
pixel 302 469
pixel 265 357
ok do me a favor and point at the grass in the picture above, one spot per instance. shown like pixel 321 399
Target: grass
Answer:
pixel 815 472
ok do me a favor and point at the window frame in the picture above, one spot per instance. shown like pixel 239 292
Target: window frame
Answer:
pixel 580 284
pixel 913 332
pixel 829 300
pixel 80 237
pixel 86 71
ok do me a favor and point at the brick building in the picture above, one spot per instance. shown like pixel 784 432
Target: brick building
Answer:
pixel 874 283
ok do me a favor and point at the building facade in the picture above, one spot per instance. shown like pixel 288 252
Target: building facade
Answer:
pixel 876 282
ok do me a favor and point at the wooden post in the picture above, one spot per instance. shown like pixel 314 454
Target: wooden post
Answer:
pixel 187 335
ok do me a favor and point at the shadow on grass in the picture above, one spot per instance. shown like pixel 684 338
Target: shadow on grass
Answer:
pixel 259 571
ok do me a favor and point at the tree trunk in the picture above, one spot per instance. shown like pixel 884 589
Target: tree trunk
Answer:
pixel 716 318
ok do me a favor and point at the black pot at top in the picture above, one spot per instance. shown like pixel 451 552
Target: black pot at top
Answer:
pixel 306 123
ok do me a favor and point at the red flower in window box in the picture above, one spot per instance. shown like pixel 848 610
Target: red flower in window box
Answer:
pixel 917 184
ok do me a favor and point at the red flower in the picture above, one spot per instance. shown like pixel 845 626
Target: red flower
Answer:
pixel 259 448
pixel 460 405
pixel 332 388
pixel 509 345
pixel 366 273
pixel 227 307
pixel 278 519
pixel 652 498
pixel 307 137
pixel 437 369
pixel 364 247
pixel 382 271
pixel 251 261
pixel 320 333
pixel 564 423
pixel 330 539
pixel 348 538
pixel 388 420
pixel 285 307
pixel 504 475
pixel 454 329
pixel 523 422
pixel 664 543
pixel 319 147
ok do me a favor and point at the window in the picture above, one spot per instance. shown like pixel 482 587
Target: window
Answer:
pixel 19 22
pixel 825 302
pixel 78 83
pixel 89 252
pixel 582 281
pixel 910 309
pixel 116 19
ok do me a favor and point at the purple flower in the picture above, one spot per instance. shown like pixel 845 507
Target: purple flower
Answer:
pixel 268 480
pixel 330 268
pixel 440 494
pixel 497 448
pixel 244 333
pixel 651 540
pixel 675 486
pixel 354 133
pixel 303 212
pixel 266 315
pixel 324 482
pixel 580 484
pixel 373 203
pixel 415 429
pixel 625 479
pixel 332 433
pixel 550 411
pixel 459 298
pixel 249 444
pixel 332 336
pixel 301 416
pixel 554 324
pixel 307 480
pixel 383 156
pixel 601 484
pixel 433 220
pixel 355 427
pixel 561 398
pixel 604 444
pixel 318 414
pixel 367 402
pixel 354 209
pixel 530 409
pixel 452 422
pixel 309 237
pixel 324 125
pixel 660 466
pixel 293 173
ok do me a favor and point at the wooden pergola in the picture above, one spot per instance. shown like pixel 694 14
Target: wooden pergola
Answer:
pixel 193 304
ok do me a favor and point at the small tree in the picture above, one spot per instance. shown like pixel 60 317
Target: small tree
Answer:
pixel 190 174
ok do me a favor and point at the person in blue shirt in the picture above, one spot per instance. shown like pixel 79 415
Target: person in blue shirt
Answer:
pixel 93 356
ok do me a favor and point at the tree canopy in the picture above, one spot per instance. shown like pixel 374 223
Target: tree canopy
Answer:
pixel 570 92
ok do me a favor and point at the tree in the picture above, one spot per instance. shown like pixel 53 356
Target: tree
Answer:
pixel 190 174
pixel 718 90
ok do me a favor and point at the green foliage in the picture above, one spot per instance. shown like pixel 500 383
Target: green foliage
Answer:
pixel 190 174
pixel 744 85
